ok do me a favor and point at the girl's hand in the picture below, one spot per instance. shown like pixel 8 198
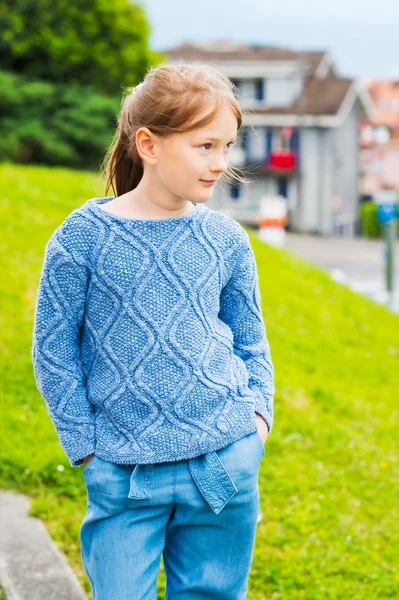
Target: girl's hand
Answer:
pixel 262 427
pixel 89 456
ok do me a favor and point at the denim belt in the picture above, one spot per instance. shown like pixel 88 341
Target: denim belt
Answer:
pixel 208 472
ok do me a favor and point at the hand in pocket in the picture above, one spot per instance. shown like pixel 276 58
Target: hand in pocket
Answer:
pixel 263 428
pixel 88 459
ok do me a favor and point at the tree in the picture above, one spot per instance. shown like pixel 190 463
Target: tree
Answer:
pixel 101 43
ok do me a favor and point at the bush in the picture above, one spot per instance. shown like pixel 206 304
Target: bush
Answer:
pixel 43 123
pixel 370 226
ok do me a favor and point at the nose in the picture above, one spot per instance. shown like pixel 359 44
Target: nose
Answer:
pixel 219 164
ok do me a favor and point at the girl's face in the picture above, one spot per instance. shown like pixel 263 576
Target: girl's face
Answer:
pixel 185 161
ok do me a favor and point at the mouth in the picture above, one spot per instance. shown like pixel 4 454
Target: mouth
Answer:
pixel 209 181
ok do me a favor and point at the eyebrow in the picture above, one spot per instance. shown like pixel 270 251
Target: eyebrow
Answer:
pixel 216 139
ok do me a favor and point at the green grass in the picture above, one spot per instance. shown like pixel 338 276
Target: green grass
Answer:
pixel 329 479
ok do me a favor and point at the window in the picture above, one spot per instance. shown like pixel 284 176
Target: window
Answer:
pixel 235 190
pixel 235 82
pixel 256 149
pixel 247 89
pixel 381 135
pixel 283 91
pixel 283 187
pixel 259 90
pixel 244 137
pixel 250 89
pixel 281 138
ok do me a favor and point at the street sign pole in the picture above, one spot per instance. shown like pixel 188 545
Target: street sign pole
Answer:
pixel 390 237
pixel 387 215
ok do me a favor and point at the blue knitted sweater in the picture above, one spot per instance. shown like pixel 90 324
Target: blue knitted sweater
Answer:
pixel 148 341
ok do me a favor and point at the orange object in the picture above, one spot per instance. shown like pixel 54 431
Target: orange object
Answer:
pixel 265 222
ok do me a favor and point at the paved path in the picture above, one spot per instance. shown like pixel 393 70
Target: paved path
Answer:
pixel 31 565
pixel 357 262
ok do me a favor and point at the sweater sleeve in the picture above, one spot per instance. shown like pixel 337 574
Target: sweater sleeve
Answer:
pixel 56 349
pixel 240 309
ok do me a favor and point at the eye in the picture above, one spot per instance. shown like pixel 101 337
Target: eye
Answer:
pixel 229 144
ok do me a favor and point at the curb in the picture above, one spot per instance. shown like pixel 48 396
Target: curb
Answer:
pixel 31 566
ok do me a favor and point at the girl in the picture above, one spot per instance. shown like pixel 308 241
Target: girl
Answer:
pixel 150 351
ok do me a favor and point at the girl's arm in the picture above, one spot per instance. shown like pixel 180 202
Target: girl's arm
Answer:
pixel 56 349
pixel 240 309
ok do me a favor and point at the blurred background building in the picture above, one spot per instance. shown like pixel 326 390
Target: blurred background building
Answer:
pixel 379 140
pixel 300 137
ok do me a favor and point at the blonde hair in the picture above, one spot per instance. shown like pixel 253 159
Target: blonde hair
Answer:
pixel 166 102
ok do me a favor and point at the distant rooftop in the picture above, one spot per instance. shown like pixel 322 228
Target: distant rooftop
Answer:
pixel 323 93
pixel 221 49
pixel 385 94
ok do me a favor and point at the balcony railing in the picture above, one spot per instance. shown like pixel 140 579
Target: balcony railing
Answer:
pixel 282 160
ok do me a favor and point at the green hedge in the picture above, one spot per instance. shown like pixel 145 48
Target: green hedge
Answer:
pixel 371 228
pixel 370 225
pixel 43 123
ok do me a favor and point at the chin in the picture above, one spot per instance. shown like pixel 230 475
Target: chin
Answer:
pixel 200 198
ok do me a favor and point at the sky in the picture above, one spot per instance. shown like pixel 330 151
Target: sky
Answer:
pixel 363 36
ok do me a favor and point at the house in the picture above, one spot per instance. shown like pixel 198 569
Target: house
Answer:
pixel 300 136
pixel 379 140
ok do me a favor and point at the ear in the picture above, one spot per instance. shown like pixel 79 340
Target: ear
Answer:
pixel 147 144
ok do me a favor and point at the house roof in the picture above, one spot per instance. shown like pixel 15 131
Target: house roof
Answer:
pixel 324 92
pixel 319 97
pixel 384 94
pixel 223 49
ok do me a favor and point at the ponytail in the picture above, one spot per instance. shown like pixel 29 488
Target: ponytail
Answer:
pixel 122 166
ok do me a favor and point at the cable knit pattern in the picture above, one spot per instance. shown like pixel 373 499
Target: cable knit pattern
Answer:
pixel 148 341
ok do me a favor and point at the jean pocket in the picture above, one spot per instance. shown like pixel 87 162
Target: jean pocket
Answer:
pixel 107 484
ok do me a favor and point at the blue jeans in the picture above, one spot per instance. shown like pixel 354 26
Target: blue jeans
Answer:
pixel 200 514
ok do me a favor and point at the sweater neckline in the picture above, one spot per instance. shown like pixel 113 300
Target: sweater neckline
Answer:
pixel 95 205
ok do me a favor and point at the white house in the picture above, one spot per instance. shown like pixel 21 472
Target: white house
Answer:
pixel 300 136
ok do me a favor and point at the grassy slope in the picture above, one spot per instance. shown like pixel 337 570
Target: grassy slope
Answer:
pixel 329 480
